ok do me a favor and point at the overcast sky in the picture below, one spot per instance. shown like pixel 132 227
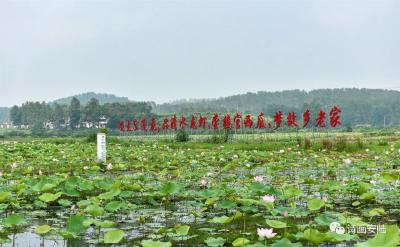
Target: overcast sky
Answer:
pixel 165 50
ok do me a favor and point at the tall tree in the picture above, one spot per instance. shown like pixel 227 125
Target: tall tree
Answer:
pixel 15 115
pixel 92 110
pixel 74 113
pixel 58 115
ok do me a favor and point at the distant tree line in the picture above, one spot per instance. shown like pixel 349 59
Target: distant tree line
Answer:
pixel 36 114
pixel 375 107
pixel 4 114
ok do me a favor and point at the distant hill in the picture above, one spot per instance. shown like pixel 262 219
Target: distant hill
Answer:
pixel 4 114
pixel 85 97
pixel 377 107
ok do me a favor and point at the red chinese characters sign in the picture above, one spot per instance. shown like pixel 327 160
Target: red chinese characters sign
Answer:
pixel 236 121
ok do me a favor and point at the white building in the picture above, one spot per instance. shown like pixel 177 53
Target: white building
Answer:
pixel 87 124
pixel 102 122
pixel 49 125
pixel 6 125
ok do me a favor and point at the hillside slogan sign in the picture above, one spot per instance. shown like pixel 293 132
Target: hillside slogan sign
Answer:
pixel 237 121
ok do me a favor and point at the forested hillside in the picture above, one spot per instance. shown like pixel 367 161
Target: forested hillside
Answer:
pixel 84 98
pixel 360 106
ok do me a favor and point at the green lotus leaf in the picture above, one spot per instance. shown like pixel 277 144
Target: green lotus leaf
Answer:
pixel 222 220
pixel 152 243
pixel 276 223
pixel 4 196
pixel 376 212
pixel 49 197
pixel 110 194
pixel 14 220
pixel 388 239
pixel 314 236
pixel 215 242
pixel 284 242
pixel 114 206
pixel 75 224
pixel 94 210
pixel 226 204
pixel 104 224
pixel 335 237
pixel 64 202
pixel 368 196
pixel 181 229
pixel 113 236
pixel 43 229
pixel 315 204
pixel 170 188
pixel 240 242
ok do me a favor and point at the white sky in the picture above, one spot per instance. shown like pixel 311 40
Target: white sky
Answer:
pixel 166 50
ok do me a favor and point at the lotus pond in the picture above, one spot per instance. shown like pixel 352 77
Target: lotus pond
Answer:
pixel 54 193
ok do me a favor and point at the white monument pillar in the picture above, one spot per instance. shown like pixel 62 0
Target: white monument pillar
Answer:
pixel 101 147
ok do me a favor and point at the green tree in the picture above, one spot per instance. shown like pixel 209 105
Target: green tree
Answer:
pixel 58 115
pixel 15 115
pixel 74 113
pixel 92 110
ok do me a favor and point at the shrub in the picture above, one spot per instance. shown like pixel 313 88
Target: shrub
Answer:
pixel 218 137
pixel 91 138
pixel 182 136
pixel 103 130
pixel 298 140
pixel 38 130
pixel 307 143
pixel 341 144
pixel 214 139
pixel 327 144
pixel 227 135
pixel 360 143
pixel 382 142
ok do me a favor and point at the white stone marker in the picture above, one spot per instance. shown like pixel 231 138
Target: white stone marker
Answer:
pixel 101 147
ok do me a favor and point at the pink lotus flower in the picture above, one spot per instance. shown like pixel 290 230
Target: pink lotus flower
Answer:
pixel 268 199
pixel 265 233
pixel 109 166
pixel 258 179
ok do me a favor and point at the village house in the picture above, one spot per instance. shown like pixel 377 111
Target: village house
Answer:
pixel 6 125
pixel 102 122
pixel 49 125
pixel 86 124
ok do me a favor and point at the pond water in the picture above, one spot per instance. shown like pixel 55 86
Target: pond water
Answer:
pixel 153 189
